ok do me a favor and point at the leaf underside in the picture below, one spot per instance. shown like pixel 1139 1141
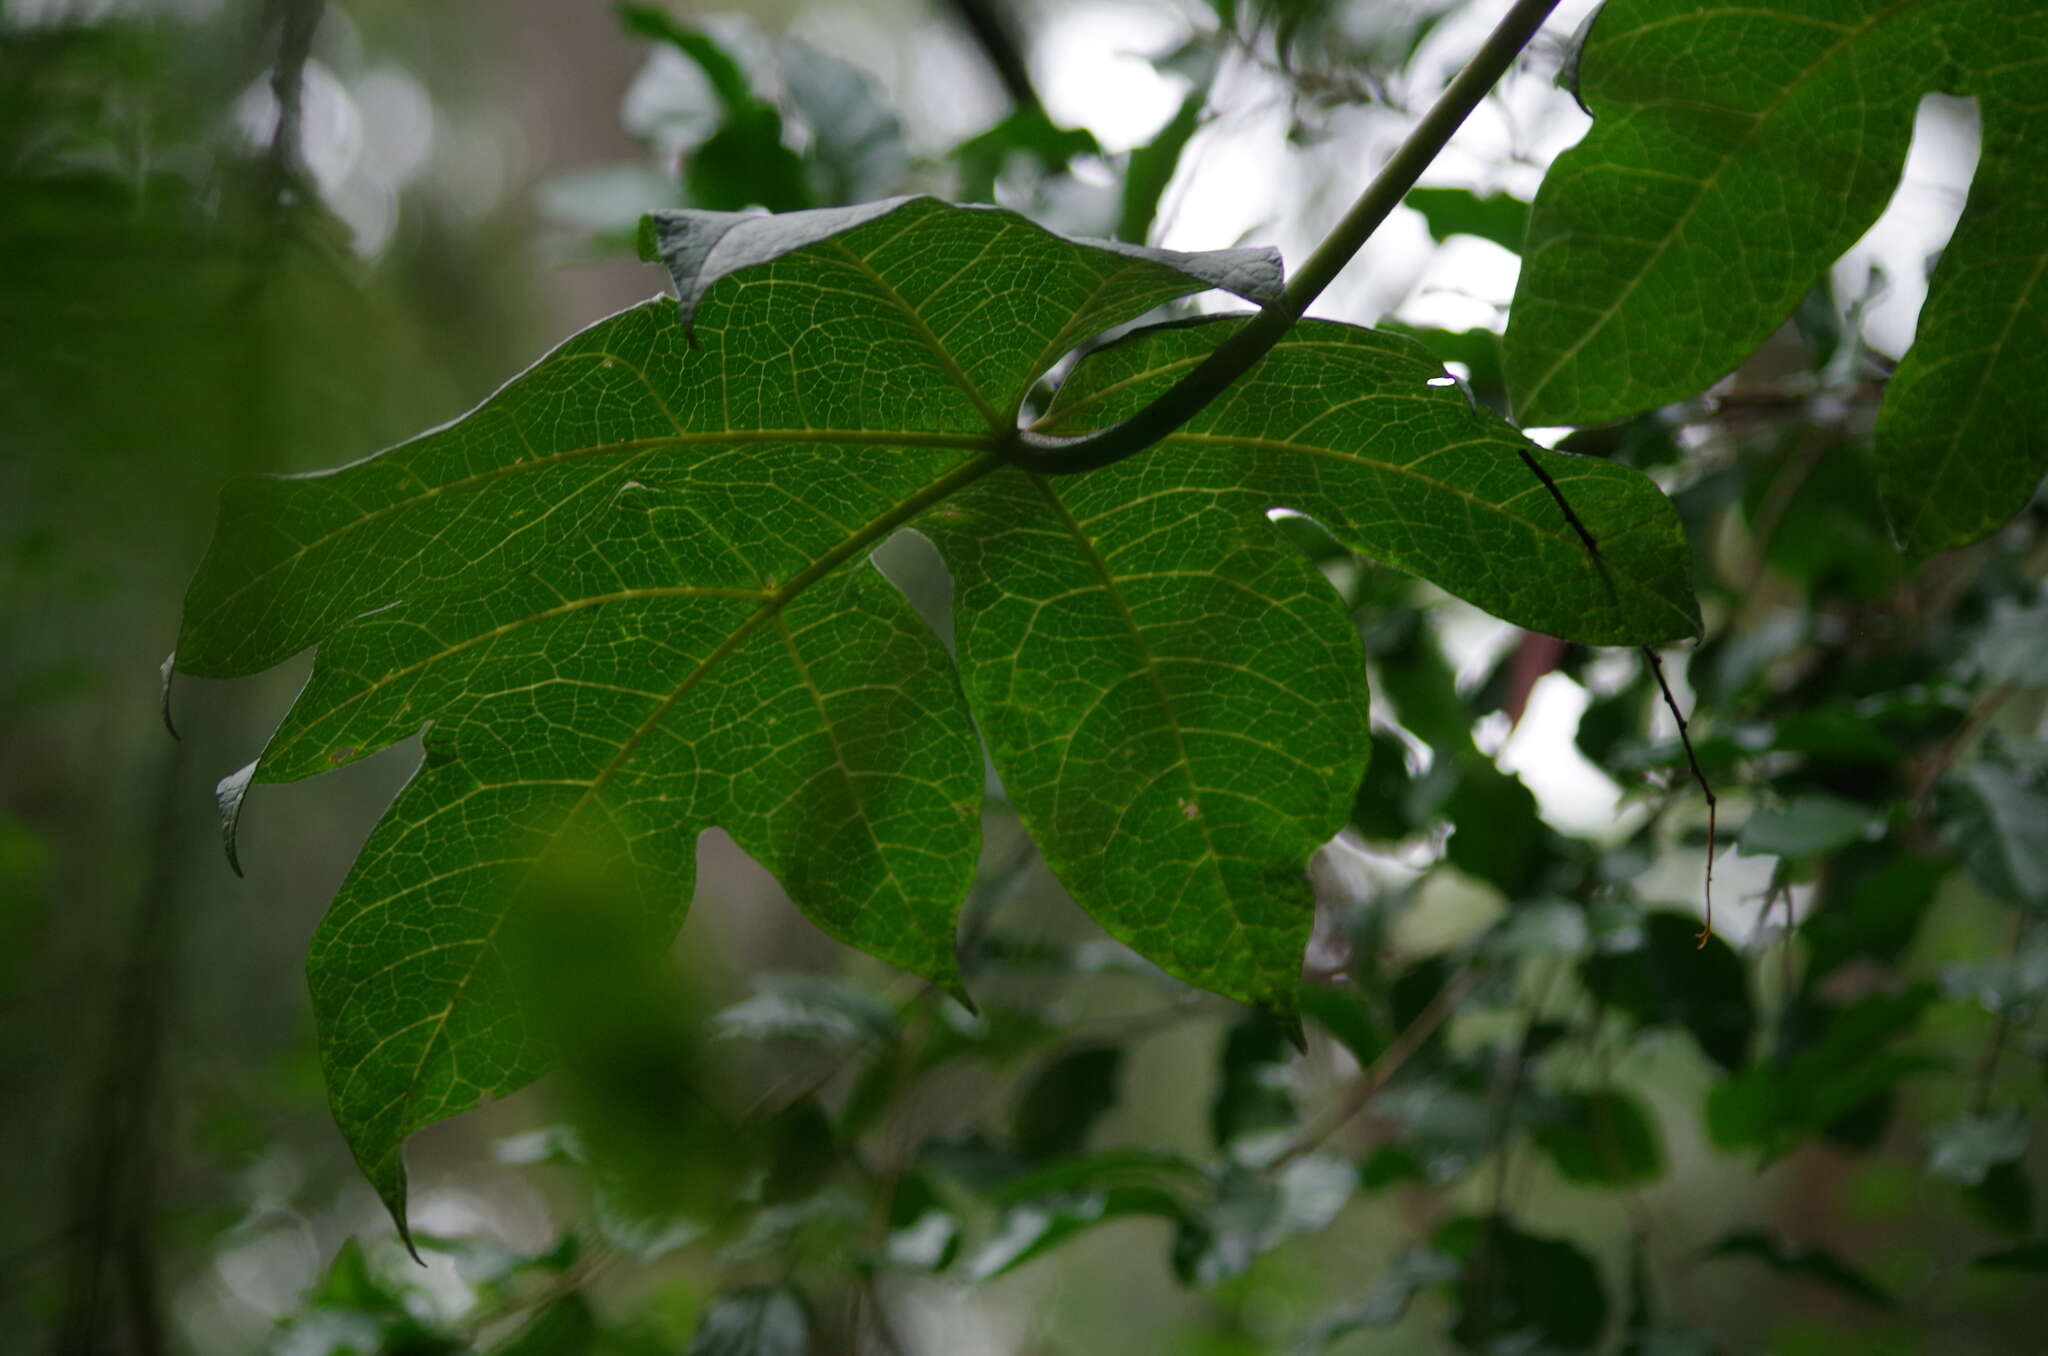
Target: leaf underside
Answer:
pixel 1735 153
pixel 628 598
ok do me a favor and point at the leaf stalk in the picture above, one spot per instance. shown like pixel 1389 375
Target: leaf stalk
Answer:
pixel 1051 454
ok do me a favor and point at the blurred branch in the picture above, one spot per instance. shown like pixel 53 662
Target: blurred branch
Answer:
pixel 1994 1048
pixel 296 21
pixel 1382 1070
pixel 995 32
pixel 113 1201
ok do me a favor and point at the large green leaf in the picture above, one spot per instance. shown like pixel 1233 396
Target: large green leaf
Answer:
pixel 1736 151
pixel 627 599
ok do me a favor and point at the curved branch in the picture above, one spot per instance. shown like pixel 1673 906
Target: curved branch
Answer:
pixel 1048 454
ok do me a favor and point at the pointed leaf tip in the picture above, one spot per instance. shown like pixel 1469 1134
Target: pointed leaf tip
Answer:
pixel 1291 1027
pixel 167 669
pixel 229 794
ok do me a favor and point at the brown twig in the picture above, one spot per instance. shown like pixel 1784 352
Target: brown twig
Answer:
pixel 1692 761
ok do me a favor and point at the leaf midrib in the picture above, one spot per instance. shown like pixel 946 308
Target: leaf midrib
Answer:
pixel 562 609
pixel 1167 705
pixel 967 442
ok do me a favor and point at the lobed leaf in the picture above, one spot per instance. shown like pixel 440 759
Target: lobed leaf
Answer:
pixel 626 599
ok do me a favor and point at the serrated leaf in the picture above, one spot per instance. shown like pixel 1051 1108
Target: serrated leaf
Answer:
pixel 626 600
pixel 1735 153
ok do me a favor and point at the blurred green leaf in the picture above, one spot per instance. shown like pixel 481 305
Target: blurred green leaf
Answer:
pixel 1064 1101
pixel 1498 836
pixel 1342 1011
pixel 1807 826
pixel 1097 1170
pixel 1444 1129
pixel 564 1327
pixel 923 1234
pixel 1604 1138
pixel 1254 1212
pixel 801 1151
pixel 1386 1303
pixel 744 163
pixel 591 980
pixel 1026 134
pixel 728 81
pixel 2005 1198
pixel 1252 1097
pixel 1813 1264
pixel 1666 978
pixel 1153 164
pixel 1459 211
pixel 811 1009
pixel 2025 1257
pixel 856 151
pixel 352 1309
pixel 1521 1291
pixel 2013 647
pixel 1418 681
pixel 1996 819
pixel 1029 1229
pixel 2007 985
pixel 1828 531
pixel 1540 927
pixel 1872 900
pixel 1965 1149
pixel 764 1322
pixel 1612 718
pixel 1383 809
pixel 1776 1106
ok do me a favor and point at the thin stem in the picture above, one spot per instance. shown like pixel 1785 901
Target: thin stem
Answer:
pixel 1047 454
pixel 1692 761
pixel 1987 1066
pixel 1372 1079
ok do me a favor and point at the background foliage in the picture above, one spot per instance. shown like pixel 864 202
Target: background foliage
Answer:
pixel 1532 1114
